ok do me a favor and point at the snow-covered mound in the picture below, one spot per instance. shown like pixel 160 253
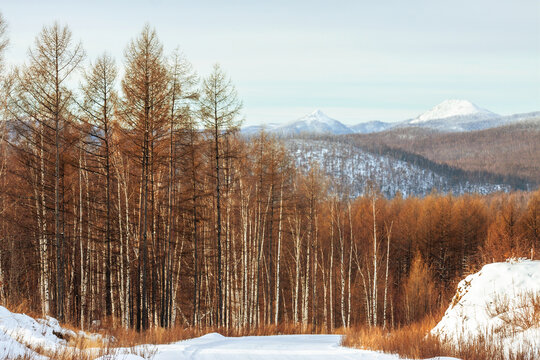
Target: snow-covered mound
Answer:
pixel 17 331
pixel 315 123
pixel 453 108
pixel 20 334
pixel 496 304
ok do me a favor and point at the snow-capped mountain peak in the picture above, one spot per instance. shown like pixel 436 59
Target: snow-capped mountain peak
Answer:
pixel 316 122
pixel 453 108
pixel 317 116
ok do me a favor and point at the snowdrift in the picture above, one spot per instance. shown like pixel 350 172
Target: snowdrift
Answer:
pixel 19 334
pixel 498 305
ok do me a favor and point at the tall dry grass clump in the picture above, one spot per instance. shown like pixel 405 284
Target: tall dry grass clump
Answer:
pixel 411 341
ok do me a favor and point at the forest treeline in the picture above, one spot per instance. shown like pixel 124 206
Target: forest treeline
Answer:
pixel 133 200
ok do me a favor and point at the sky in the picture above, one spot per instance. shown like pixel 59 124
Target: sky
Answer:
pixel 357 61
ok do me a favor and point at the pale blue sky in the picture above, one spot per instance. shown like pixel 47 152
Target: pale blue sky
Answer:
pixel 355 60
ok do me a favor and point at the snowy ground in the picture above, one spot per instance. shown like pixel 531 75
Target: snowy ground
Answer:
pixel 279 347
pixel 19 334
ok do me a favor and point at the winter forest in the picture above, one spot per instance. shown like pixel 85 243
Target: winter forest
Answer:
pixel 128 198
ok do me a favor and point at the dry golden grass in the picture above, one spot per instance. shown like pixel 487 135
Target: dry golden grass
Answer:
pixel 411 341
pixel 22 307
pixel 521 312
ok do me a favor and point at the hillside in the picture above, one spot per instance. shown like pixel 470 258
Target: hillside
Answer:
pixel 511 150
pixel 352 168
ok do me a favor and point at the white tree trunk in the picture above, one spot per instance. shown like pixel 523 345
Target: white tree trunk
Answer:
pixel 386 275
pixel 278 260
pixel 374 296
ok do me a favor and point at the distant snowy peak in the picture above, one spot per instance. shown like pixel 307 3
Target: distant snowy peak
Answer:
pixel 316 123
pixel 453 108
pixel 317 116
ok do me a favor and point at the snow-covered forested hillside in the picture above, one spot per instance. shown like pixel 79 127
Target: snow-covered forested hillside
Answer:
pixel 352 168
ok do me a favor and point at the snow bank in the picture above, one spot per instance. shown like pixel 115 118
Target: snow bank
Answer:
pixel 17 331
pixel 496 305
pixel 19 334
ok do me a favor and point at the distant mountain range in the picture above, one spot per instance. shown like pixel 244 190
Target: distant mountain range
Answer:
pixel 448 116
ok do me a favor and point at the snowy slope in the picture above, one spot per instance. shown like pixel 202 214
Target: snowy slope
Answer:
pixel 352 168
pixel 315 123
pixel 490 304
pixel 17 331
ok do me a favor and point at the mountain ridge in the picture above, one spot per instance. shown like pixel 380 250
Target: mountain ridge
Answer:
pixel 447 116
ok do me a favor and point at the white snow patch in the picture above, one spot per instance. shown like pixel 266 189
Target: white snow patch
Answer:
pixel 486 300
pixel 19 334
